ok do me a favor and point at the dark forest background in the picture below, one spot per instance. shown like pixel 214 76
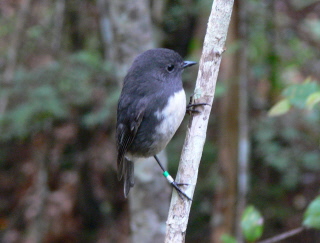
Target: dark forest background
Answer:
pixel 61 66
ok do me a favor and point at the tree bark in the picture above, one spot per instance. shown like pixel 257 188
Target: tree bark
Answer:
pixel 126 31
pixel 126 28
pixel 149 202
pixel 37 227
pixel 230 195
pixel 196 134
pixel 243 140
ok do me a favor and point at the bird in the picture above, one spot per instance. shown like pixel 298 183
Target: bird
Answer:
pixel 151 107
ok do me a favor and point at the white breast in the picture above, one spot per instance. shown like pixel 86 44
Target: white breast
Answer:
pixel 171 116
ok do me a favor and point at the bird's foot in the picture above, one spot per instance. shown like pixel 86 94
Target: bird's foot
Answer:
pixel 191 107
pixel 179 191
pixel 176 185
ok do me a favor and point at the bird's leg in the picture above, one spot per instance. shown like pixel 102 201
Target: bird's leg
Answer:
pixel 172 182
pixel 191 106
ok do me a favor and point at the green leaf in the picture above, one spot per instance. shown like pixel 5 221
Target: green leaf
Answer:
pixel 280 108
pixel 312 100
pixel 297 94
pixel 252 224
pixel 312 214
pixel 225 238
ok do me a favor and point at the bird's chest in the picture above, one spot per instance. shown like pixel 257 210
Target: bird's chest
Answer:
pixel 170 117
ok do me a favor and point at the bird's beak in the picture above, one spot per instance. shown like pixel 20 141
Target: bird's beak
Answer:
pixel 188 64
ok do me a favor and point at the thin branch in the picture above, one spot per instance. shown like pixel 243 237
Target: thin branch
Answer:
pixel 283 235
pixel 196 134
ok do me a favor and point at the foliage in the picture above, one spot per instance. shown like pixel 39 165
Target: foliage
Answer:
pixel 312 214
pixel 78 87
pixel 279 145
pixel 285 144
pixel 305 95
pixel 282 107
pixel 225 238
pixel 62 90
pixel 252 224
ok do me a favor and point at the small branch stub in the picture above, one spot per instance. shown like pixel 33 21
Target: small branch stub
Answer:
pixel 196 133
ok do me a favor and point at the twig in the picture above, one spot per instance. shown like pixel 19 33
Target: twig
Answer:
pixel 283 235
pixel 196 134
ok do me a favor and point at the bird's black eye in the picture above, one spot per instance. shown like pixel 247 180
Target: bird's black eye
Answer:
pixel 170 68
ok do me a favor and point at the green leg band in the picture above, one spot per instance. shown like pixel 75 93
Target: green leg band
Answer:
pixel 168 176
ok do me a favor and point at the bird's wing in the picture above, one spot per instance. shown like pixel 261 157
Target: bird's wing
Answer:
pixel 127 128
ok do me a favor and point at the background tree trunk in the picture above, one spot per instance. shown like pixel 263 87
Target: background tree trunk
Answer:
pixel 224 203
pixel 244 124
pixel 149 201
pixel 123 41
pixel 231 192
pixel 38 224
pixel 149 198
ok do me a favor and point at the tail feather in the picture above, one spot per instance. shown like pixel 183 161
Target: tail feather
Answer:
pixel 128 176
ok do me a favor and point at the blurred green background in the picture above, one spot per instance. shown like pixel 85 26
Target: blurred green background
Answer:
pixel 62 64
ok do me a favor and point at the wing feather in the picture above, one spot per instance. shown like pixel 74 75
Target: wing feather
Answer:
pixel 126 132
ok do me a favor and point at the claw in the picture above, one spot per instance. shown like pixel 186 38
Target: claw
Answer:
pixel 180 193
pixel 182 184
pixel 196 104
pixel 191 106
pixel 191 110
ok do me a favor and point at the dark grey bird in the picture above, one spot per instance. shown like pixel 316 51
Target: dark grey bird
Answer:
pixel 150 110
